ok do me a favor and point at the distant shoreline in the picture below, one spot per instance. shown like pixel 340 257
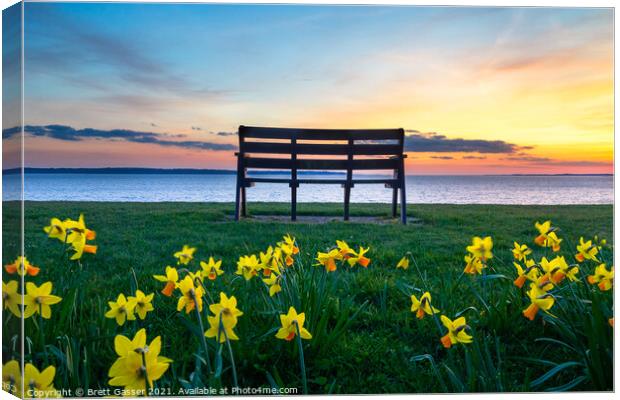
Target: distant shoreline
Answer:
pixel 195 171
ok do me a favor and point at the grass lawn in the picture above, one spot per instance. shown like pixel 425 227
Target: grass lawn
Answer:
pixel 366 339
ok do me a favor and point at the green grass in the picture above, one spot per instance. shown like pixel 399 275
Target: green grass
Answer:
pixel 366 340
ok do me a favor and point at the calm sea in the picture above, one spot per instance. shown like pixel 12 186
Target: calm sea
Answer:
pixel 221 188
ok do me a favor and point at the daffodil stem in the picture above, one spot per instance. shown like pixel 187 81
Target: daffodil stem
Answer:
pixel 425 288
pixel 135 279
pixel 202 336
pixel 146 375
pixel 302 363
pixel 230 352
pixel 42 336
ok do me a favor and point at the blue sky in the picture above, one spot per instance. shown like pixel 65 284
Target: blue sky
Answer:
pixel 188 71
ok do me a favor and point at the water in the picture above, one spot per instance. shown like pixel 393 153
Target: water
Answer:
pixel 221 188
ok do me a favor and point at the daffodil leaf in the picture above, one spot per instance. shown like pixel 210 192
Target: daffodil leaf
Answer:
pixel 554 371
pixel 568 386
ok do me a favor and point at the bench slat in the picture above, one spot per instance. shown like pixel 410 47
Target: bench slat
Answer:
pixel 283 163
pixel 388 181
pixel 321 149
pixel 319 134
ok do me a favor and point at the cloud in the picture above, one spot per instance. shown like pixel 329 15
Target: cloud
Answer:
pixel 196 128
pixel 443 157
pixel 67 133
pixel 433 142
pixel 473 158
pixel 226 133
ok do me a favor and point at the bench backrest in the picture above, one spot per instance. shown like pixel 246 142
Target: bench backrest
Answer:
pixel 294 142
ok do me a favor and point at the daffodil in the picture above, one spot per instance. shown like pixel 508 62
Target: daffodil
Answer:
pixel 274 284
pixel 456 332
pixel 12 377
pixel 221 328
pixel 22 266
pixel 521 251
pixel 122 309
pixel 359 258
pixel 136 362
pixel 291 322
pixel 10 298
pixel 247 266
pixel 344 249
pixel 171 278
pixel 423 306
pixel 481 248
pixel 39 384
pixel 227 307
pixel 328 260
pixel 77 236
pixel 586 251
pixel 191 296
pixel 473 264
pixel 288 249
pixel 185 255
pixel 603 277
pixel 547 236
pixel 39 299
pixel 557 269
pixel 212 269
pixel 56 230
pixel 541 300
pixel 142 303
pixel 530 272
pixel 270 260
pixel 403 263
pixel 289 243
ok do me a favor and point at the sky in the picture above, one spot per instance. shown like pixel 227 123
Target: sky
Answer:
pixel 478 90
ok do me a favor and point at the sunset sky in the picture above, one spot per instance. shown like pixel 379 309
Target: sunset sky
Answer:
pixel 479 90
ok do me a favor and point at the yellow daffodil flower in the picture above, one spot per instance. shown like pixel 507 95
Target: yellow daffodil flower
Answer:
pixel 274 284
pixel 611 322
pixel 212 269
pixel 541 300
pixel 403 263
pixel 12 378
pixel 142 303
pixel 359 258
pixel 39 299
pixel 547 236
pixel 270 261
pixel 185 255
pixel 39 384
pixel 586 251
pixel 521 251
pixel 473 265
pixel 122 309
pixel 221 328
pixel 77 235
pixel 10 298
pixel 481 248
pixel 227 307
pixel 171 278
pixel 344 249
pixel 247 266
pixel 21 266
pixel 423 306
pixel 603 277
pixel 529 273
pixel 191 296
pixel 56 230
pixel 289 242
pixel 136 362
pixel 456 332
pixel 328 260
pixel 290 323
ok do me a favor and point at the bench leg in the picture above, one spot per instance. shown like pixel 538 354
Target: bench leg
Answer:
pixel 394 201
pixel 347 199
pixel 403 196
pixel 293 203
pixel 243 206
pixel 237 201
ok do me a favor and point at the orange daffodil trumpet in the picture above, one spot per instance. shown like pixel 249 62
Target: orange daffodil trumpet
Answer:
pixel 547 236
pixel 540 300
pixel 423 306
pixel 212 269
pixel 171 279
pixel 328 260
pixel 530 272
pixel 456 332
pixel 602 277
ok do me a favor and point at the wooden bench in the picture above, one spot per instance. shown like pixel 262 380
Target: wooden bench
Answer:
pixel 357 149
